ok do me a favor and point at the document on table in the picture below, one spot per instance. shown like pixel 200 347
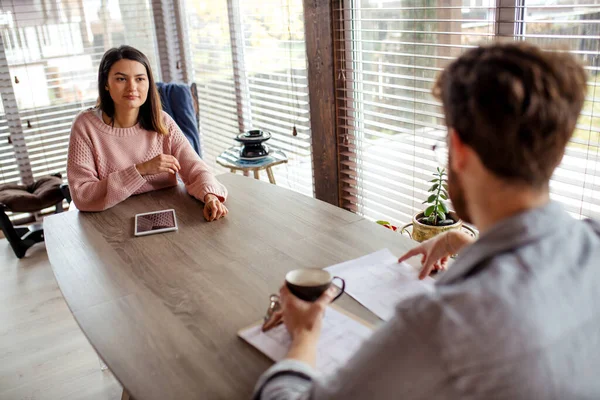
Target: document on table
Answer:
pixel 379 282
pixel 341 337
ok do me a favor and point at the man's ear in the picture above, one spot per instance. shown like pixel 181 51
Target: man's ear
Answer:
pixel 458 149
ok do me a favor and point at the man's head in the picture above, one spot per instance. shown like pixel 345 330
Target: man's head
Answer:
pixel 511 109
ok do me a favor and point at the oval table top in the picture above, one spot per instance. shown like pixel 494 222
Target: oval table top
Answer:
pixel 163 311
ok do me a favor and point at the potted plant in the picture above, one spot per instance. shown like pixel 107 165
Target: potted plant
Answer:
pixel 436 218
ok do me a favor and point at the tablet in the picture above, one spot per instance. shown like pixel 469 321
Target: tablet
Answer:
pixel 155 222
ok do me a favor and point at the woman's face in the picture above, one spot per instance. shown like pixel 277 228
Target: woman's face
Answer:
pixel 127 84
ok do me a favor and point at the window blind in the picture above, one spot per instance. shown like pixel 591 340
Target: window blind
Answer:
pixel 9 171
pixel 249 61
pixel 276 73
pixel 53 51
pixel 389 53
pixel 574 26
pixel 212 71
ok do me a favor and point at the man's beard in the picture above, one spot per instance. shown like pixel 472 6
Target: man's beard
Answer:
pixel 457 194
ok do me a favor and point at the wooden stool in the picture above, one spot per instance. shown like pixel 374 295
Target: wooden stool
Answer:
pixel 230 158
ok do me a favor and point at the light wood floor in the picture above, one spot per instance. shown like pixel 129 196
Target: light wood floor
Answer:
pixel 43 354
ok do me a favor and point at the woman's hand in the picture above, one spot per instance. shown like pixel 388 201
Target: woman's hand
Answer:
pixel 436 251
pixel 160 163
pixel 213 208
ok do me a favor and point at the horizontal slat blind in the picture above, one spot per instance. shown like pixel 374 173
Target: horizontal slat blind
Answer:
pixel 574 26
pixel 249 61
pixel 9 171
pixel 276 74
pixel 212 71
pixel 389 53
pixel 53 55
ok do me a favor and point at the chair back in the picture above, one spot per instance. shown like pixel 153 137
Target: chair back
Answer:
pixel 178 101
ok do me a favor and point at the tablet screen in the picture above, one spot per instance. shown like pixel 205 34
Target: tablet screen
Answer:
pixel 155 221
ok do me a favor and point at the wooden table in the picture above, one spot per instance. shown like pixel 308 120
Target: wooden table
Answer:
pixel 163 310
pixel 230 158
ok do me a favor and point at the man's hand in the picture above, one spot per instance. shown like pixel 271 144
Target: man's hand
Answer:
pixel 436 251
pixel 303 321
pixel 302 317
pixel 213 208
pixel 160 163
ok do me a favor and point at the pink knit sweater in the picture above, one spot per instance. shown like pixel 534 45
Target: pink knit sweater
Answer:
pixel 101 164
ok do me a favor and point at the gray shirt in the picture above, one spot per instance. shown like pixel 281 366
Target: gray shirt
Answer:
pixel 516 317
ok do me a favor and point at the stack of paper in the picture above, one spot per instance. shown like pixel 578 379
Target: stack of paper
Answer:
pixel 379 282
pixel 341 336
pixel 375 280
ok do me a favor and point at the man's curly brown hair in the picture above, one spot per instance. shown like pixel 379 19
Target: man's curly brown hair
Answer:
pixel 515 105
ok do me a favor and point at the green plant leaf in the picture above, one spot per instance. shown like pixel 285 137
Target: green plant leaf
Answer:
pixel 443 196
pixel 445 192
pixel 434 180
pixel 442 207
pixel 434 187
pixel 431 198
pixel 441 215
pixel 445 185
pixel 383 223
pixel 429 211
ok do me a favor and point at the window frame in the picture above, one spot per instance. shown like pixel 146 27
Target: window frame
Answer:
pixel 509 20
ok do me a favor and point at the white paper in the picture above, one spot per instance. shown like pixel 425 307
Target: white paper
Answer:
pixel 379 282
pixel 341 337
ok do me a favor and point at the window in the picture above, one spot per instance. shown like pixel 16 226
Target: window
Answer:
pixel 52 50
pixel 213 72
pixel 389 53
pixel 392 51
pixel 249 61
pixel 9 171
pixel 574 26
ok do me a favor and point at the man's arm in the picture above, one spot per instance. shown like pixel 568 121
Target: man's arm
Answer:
pixel 292 378
pixel 402 360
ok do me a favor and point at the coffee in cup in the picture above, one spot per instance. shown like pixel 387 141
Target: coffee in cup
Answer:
pixel 309 284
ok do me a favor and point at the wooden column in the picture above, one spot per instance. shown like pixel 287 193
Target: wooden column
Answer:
pixel 509 17
pixel 319 36
pixel 171 44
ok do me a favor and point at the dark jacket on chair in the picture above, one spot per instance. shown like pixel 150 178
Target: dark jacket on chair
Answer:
pixel 177 101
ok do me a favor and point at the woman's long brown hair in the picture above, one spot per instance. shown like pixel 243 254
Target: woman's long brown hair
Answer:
pixel 150 117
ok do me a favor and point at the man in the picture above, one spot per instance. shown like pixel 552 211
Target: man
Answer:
pixel 518 314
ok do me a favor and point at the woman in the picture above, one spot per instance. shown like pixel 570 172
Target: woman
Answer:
pixel 127 145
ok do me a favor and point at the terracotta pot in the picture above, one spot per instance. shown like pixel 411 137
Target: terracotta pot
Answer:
pixel 422 232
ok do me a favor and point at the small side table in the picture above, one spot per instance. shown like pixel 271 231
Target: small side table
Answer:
pixel 230 158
